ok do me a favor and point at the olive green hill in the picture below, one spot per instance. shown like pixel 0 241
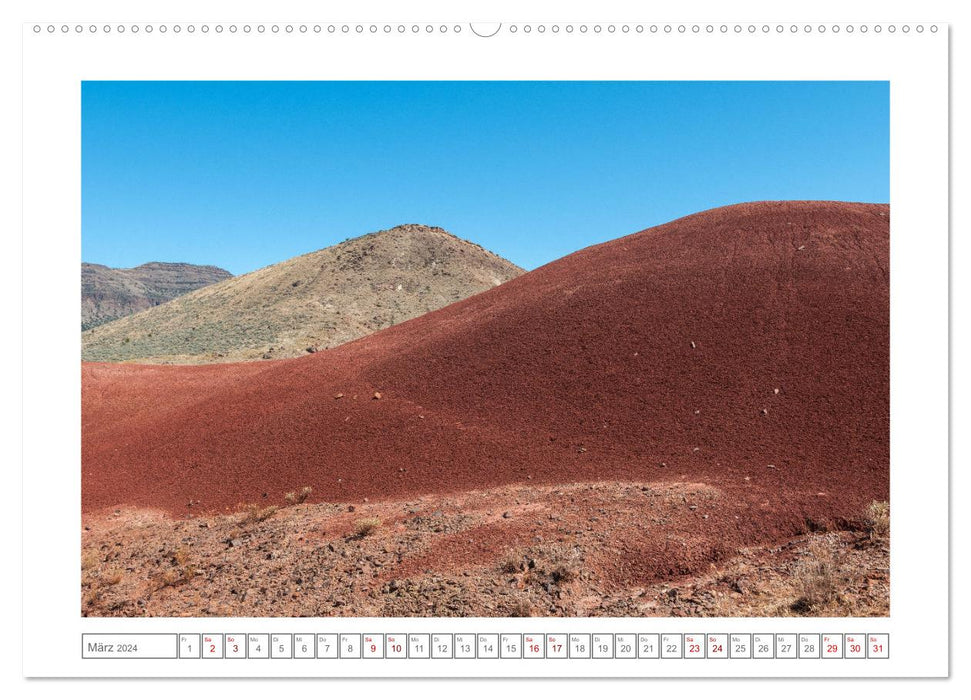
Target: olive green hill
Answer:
pixel 308 303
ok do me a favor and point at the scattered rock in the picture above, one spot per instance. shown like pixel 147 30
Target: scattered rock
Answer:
pixel 339 395
pixel 377 396
pixel 351 509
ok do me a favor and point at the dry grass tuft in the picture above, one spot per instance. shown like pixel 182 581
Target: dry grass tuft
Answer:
pixel 366 526
pixel 564 564
pixel 295 497
pixel 89 559
pixel 818 578
pixel 512 564
pixel 877 518
pixel 254 513
pixel 177 577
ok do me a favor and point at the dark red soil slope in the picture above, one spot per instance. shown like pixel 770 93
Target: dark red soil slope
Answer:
pixel 745 347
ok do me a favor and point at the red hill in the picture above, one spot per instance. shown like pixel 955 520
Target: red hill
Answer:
pixel 745 347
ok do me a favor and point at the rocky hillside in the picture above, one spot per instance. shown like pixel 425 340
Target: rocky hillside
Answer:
pixel 110 293
pixel 308 303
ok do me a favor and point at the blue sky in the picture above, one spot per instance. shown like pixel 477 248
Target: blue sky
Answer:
pixel 246 174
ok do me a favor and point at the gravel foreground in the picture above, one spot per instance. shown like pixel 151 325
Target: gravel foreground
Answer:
pixel 574 550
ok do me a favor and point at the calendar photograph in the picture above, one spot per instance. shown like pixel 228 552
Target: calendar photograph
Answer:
pixel 485 349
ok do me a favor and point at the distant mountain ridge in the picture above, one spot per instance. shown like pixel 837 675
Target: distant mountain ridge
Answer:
pixel 310 302
pixel 110 293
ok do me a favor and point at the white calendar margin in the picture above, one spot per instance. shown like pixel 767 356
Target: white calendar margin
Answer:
pixel 915 64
